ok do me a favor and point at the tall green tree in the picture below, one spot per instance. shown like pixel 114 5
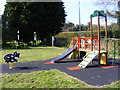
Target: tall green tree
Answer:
pixel 44 18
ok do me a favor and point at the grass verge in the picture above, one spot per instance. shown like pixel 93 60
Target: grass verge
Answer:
pixel 113 85
pixel 34 53
pixel 42 79
pixel 47 79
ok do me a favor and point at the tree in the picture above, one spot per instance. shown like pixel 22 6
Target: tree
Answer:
pixel 113 27
pixel 113 11
pixel 76 27
pixel 68 26
pixel 14 19
pixel 44 18
pixel 50 19
pixel 83 27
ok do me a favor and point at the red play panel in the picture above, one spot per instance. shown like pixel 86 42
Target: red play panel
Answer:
pixel 74 68
pixel 49 63
pixel 105 67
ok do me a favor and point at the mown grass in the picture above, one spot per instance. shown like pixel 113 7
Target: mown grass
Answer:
pixel 42 79
pixel 34 53
pixel 113 85
pixel 46 79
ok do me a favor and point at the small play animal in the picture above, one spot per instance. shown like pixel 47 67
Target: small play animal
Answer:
pixel 12 57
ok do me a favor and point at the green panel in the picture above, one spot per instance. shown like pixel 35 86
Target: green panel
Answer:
pixel 102 13
pixel 98 13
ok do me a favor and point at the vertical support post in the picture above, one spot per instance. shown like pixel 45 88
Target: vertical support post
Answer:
pixel 106 36
pixel 11 65
pixel 84 44
pixel 91 35
pixel 78 55
pixel 18 36
pixel 72 42
pixel 35 36
pixel 99 39
pixel 78 43
pixel 53 39
pixel 114 52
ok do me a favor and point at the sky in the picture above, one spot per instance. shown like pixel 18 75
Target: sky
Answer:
pixel 87 8
pixel 2 3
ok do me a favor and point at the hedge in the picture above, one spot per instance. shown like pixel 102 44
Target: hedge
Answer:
pixel 64 38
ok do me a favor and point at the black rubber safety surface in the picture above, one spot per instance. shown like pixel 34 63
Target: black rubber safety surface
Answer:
pixel 92 74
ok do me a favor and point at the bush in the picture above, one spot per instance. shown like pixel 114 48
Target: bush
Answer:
pixel 112 33
pixel 35 43
pixel 64 38
pixel 15 44
pixel 116 34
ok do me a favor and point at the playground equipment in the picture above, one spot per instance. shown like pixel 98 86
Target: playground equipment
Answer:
pixel 114 45
pixel 64 55
pixel 11 58
pixel 89 47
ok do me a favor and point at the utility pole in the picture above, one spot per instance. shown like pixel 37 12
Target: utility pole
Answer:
pixel 79 20
pixel 118 19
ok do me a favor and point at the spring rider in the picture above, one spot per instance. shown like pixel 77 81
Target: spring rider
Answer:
pixel 11 58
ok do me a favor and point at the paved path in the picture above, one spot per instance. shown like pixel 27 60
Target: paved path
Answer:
pixel 92 75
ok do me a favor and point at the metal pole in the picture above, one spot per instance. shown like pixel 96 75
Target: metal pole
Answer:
pixel 118 18
pixel 79 28
pixel 79 20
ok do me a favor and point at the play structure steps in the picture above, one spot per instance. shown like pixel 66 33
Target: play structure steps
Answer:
pixel 88 58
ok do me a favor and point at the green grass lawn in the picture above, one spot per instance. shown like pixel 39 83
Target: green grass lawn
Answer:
pixel 34 53
pixel 42 79
pixel 46 79
pixel 113 85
